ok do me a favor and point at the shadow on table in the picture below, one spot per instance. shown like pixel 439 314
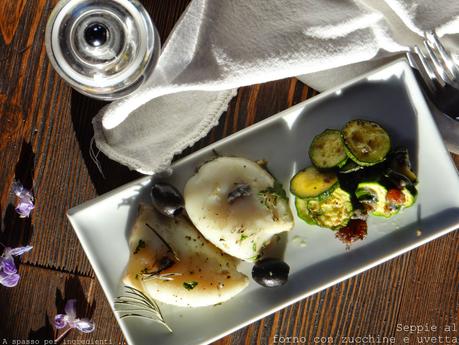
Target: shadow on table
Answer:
pixel 43 333
pixel 83 109
pixel 74 290
pixel 17 231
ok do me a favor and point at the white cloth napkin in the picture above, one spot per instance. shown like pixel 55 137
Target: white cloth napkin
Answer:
pixel 218 46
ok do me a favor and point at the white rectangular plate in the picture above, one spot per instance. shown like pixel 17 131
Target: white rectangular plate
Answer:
pixel 389 96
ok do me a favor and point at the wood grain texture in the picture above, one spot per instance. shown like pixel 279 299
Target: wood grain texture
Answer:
pixel 45 133
pixel 28 310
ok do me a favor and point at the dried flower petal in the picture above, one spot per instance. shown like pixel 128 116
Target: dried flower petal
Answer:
pixel 7 265
pixel 69 319
pixel 18 251
pixel 85 325
pixel 60 321
pixel 18 188
pixel 25 204
pixel 9 280
pixel 24 207
pixel 8 271
pixel 70 309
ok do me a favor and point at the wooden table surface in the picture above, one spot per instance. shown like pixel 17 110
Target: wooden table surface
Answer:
pixel 45 131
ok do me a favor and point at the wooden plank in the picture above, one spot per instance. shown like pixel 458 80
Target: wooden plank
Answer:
pixel 28 310
pixel 38 145
pixel 431 291
pixel 45 130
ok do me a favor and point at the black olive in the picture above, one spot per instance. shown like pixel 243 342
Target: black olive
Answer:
pixel 270 272
pixel 166 199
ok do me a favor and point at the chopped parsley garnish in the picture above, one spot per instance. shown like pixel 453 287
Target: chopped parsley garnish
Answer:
pixel 190 285
pixel 254 247
pixel 254 258
pixel 243 237
pixel 140 246
pixel 278 190
pixel 270 195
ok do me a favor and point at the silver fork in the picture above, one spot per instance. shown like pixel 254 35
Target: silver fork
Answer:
pixel 439 73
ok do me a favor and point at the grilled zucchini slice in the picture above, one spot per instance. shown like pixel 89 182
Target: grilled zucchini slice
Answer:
pixel 301 206
pixel 312 183
pixel 333 212
pixel 327 150
pixel 366 142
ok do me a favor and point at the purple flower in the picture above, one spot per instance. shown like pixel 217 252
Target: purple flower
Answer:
pixel 8 271
pixel 70 319
pixel 25 203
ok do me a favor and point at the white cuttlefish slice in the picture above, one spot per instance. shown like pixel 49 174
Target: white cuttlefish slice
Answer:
pixel 171 262
pixel 237 205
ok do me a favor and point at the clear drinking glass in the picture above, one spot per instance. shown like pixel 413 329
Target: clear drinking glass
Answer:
pixel 103 48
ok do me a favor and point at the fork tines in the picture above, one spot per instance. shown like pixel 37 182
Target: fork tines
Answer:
pixel 444 66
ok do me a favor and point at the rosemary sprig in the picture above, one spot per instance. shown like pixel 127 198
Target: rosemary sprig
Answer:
pixel 165 276
pixel 137 304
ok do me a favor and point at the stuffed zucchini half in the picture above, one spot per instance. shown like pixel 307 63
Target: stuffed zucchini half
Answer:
pixel 383 202
pixel 333 212
pixel 320 200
